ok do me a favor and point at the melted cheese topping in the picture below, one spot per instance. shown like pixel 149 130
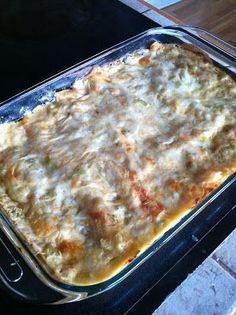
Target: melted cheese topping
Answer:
pixel 96 176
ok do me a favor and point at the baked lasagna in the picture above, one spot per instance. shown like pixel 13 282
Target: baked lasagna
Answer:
pixel 94 177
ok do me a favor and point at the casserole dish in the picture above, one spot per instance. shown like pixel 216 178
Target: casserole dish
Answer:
pixel 15 109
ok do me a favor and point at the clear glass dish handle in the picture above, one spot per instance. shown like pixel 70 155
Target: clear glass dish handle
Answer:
pixel 10 269
pixel 212 39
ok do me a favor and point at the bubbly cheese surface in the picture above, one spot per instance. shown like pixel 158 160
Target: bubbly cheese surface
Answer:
pixel 93 178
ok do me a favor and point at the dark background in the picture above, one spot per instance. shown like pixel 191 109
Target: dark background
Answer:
pixel 39 38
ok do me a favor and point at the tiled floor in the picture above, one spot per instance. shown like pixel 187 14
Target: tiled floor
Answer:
pixel 160 4
pixel 136 5
pixel 210 289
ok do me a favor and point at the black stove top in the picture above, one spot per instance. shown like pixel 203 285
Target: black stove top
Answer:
pixel 40 38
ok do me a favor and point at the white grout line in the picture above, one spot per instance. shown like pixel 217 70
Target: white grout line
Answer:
pixel 143 9
pixel 136 5
pixel 160 19
pixel 224 266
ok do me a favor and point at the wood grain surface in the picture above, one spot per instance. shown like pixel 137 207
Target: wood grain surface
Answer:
pixel 216 16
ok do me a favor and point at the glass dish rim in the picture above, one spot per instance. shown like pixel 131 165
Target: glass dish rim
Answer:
pixel 83 291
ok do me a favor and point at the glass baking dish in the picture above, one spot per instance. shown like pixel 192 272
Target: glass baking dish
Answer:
pixel 221 53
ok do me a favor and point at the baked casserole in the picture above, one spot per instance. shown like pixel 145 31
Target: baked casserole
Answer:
pixel 94 177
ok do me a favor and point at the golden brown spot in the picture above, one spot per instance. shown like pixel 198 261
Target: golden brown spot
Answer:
pixel 132 258
pixel 174 184
pixel 23 120
pixel 144 61
pixel 185 138
pixel 156 46
pixel 100 217
pixel 75 183
pixel 173 105
pixel 43 227
pixel 196 132
pixel 132 175
pixel 189 111
pixel 149 160
pixel 69 246
pixel 193 189
pixel 92 85
pixel 68 94
pixel 129 148
pixel 149 205
pixel 205 192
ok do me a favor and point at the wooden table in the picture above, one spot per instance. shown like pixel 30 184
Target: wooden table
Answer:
pixel 217 17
